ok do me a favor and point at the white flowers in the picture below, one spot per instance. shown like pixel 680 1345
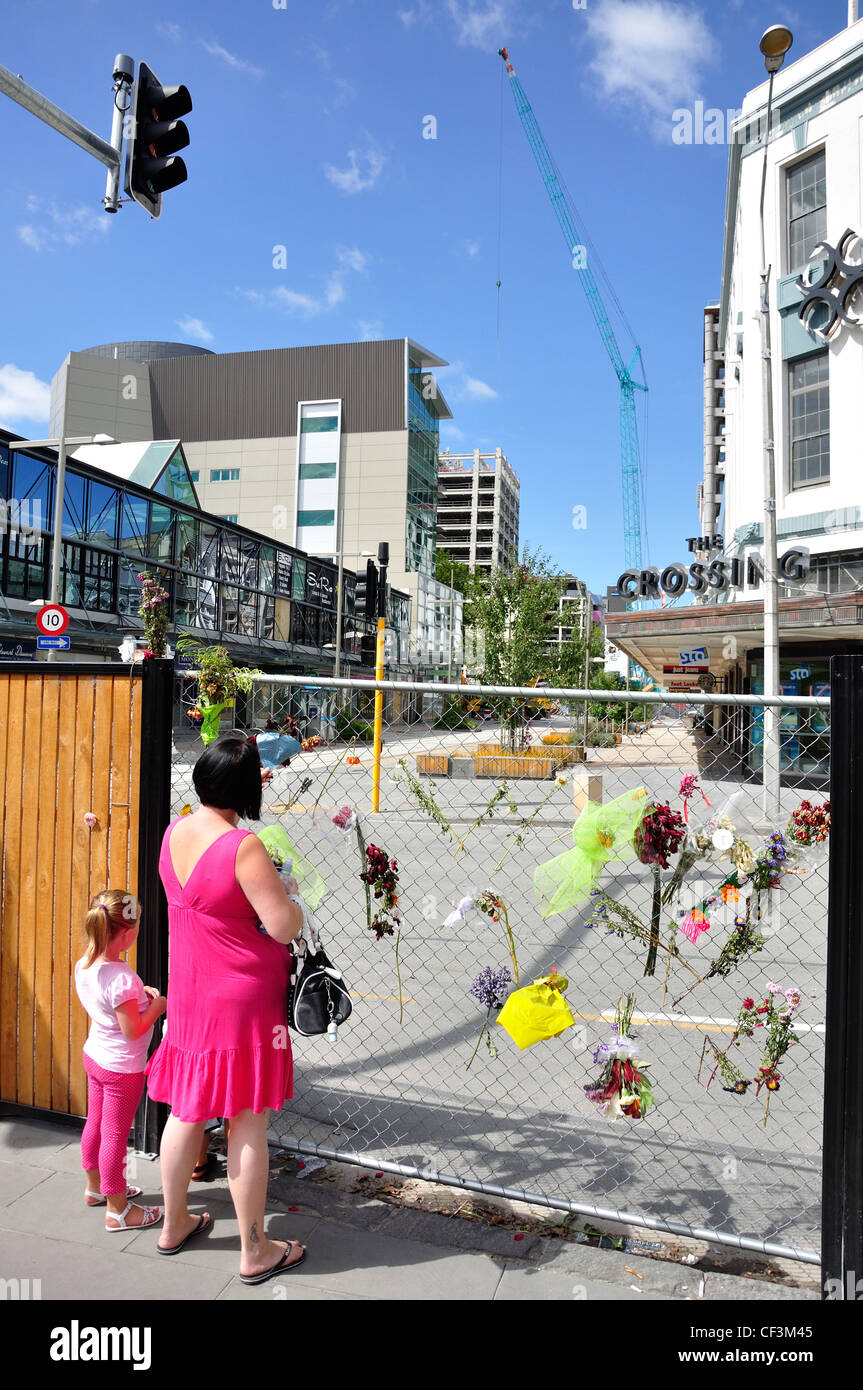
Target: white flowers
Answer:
pixel 722 839
pixel 560 780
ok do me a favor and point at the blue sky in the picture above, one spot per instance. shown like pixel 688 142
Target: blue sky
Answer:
pixel 307 133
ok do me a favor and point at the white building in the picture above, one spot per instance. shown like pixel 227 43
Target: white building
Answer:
pixel 477 509
pixel 814 192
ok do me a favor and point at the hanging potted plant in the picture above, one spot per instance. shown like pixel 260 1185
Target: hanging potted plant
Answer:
pixel 153 612
pixel 218 682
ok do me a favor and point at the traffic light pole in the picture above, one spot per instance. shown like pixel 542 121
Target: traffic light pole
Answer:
pixel 108 154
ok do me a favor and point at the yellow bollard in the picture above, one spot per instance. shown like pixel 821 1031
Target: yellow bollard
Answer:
pixel 379 717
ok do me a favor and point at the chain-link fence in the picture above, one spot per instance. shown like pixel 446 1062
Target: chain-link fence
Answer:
pixel 480 787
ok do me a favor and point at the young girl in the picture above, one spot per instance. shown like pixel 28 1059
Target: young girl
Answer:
pixel 123 1012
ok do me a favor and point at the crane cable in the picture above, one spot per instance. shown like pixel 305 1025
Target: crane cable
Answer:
pixel 499 207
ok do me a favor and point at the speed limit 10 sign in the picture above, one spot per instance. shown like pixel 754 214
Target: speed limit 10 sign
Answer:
pixel 52 620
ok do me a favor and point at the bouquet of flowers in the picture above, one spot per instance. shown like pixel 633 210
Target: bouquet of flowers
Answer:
pixel 381 878
pixel 218 682
pixel 153 611
pixel 290 863
pixel 774 1013
pixel 537 1011
pixel 659 835
pixel 808 832
pixel 490 989
pixel 622 1087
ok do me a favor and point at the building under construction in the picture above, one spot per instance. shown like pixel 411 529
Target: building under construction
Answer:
pixel 477 509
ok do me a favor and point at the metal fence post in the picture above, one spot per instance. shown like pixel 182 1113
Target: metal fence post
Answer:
pixel 157 692
pixel 842 1210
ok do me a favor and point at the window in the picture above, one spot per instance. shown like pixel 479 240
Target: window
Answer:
pixel 228 516
pixel 317 470
pixel 810 421
pixel 315 518
pixel 319 424
pixel 806 185
pixel 224 475
pixel 195 475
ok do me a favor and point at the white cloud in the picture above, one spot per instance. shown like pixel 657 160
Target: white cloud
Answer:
pixel 476 390
pixel 472 249
pixel 231 59
pixel 171 31
pixel 194 328
pixel 352 258
pixel 477 23
pixel 22 395
pixel 57 226
pixel 349 260
pixel 460 386
pixel 481 25
pixel 362 173
pixel 450 431
pixel 370 330
pixel 649 53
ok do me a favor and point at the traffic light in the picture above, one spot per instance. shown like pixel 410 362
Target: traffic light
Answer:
pixel 154 136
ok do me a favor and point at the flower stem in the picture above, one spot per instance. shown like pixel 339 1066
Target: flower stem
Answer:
pixel 655 911
pixel 399 977
pixel 482 1033
pixel 510 940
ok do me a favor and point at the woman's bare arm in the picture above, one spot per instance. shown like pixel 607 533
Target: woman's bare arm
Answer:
pixel 259 880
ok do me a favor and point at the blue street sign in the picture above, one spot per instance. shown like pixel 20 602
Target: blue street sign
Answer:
pixel 57 644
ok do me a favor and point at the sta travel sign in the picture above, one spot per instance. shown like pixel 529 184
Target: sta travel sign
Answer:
pixel 706 576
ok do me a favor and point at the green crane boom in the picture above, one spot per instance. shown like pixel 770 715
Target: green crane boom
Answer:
pixel 633 528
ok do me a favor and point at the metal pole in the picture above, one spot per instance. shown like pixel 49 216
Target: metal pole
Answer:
pixel 451 598
pixel 771 745
pixel 12 86
pixel 842 1204
pixel 124 71
pixel 59 498
pixel 383 559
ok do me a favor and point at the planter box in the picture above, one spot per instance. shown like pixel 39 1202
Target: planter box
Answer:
pixel 503 766
pixel 433 764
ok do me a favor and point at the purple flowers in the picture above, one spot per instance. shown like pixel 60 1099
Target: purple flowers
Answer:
pixel 491 987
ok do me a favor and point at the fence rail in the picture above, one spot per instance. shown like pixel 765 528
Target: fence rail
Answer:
pixel 404 1088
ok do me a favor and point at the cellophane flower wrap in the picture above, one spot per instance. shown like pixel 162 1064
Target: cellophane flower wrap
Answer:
pixel 275 840
pixel 537 1011
pixel 601 833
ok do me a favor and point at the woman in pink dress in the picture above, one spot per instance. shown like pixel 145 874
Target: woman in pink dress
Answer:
pixel 226 1049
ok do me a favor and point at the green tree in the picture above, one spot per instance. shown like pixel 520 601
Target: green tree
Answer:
pixel 515 617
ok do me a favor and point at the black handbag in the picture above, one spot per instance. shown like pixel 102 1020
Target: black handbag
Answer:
pixel 318 999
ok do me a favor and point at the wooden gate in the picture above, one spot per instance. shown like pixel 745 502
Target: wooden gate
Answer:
pixel 70 744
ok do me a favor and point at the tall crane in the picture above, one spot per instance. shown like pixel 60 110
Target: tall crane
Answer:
pixel 633 511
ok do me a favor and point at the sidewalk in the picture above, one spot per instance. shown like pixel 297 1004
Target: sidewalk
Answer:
pixel 358 1248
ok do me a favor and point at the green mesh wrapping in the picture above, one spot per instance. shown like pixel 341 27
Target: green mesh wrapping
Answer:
pixel 600 833
pixel 312 887
pixel 212 720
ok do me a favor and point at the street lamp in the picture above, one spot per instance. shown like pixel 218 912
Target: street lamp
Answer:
pixel 775 43
pixel 61 446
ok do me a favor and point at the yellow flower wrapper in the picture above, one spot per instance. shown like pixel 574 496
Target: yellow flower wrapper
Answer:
pixel 537 1011
pixel 312 887
pixel 212 720
pixel 600 833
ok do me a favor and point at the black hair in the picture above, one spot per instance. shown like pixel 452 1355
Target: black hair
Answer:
pixel 228 775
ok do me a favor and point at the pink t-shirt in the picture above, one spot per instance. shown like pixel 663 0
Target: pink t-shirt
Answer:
pixel 102 988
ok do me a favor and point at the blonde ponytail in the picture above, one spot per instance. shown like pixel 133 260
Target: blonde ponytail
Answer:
pixel 109 913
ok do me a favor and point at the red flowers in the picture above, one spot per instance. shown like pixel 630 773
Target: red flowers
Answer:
pixel 659 835
pixel 381 875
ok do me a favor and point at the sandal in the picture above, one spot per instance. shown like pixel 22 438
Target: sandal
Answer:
pixel 205 1221
pixel 98 1199
pixel 151 1216
pixel 281 1267
pixel 204 1172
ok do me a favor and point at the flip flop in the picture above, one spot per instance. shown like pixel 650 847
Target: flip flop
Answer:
pixel 204 1224
pixel 282 1266
pixel 205 1172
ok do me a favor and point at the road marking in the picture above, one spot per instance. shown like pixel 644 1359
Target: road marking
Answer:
pixel 721 1025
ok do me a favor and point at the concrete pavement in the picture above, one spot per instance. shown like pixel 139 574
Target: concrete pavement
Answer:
pixel 358 1247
